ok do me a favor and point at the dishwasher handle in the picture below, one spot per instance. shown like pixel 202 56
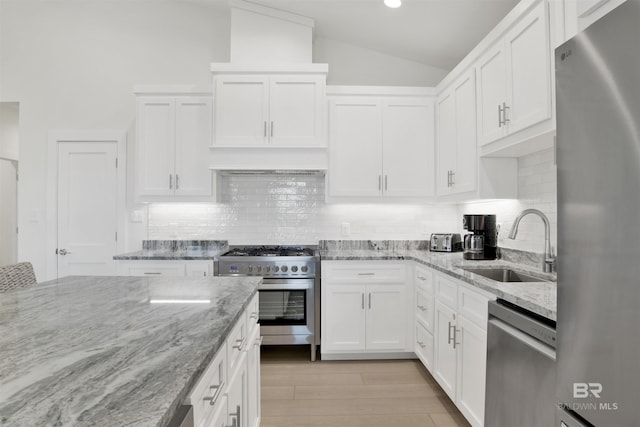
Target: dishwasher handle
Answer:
pixel 535 344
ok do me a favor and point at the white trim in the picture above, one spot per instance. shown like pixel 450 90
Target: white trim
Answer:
pixel 172 90
pixel 231 68
pixel 273 13
pixel 380 91
pixel 53 139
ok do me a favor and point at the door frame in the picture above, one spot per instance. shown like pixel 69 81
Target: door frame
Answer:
pixel 55 137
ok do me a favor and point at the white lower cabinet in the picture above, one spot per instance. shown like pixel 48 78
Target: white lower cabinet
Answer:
pixel 455 350
pixel 228 392
pixel 365 309
pixel 175 268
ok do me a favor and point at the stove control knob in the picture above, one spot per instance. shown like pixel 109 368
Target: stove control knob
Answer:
pixel 304 268
pixel 267 268
pixel 250 268
pixel 258 268
pixel 276 269
pixel 284 268
pixel 294 268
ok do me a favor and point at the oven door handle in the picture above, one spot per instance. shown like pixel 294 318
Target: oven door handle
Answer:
pixel 285 286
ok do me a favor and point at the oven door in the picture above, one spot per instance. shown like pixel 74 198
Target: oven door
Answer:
pixel 286 311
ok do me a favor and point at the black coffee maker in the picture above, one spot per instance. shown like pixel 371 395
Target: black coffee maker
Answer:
pixel 482 242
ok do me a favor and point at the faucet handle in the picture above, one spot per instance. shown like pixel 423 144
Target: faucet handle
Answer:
pixel 550 264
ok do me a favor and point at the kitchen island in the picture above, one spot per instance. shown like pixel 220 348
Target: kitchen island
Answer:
pixel 111 351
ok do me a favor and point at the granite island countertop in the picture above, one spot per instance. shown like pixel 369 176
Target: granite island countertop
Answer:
pixel 89 351
pixel 538 297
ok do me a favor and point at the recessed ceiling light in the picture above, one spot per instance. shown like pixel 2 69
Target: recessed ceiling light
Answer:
pixel 393 3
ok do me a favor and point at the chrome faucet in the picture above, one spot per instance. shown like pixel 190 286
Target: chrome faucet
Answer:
pixel 548 261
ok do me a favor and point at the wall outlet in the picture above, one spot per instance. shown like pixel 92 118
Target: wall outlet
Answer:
pixel 345 229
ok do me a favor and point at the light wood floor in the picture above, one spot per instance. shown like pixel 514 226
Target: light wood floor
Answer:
pixel 299 393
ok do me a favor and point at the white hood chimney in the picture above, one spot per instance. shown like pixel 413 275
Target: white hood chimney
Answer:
pixel 262 35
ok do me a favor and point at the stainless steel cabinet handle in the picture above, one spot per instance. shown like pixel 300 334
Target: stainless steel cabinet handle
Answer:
pixel 422 307
pixel 422 278
pixel 272 128
pixel 449 334
pixel 505 119
pixel 265 129
pixel 170 182
pixel 363 301
pixel 177 181
pixel 421 344
pixel 236 415
pixel 369 300
pixel 455 333
pixel 366 274
pixel 453 178
pixel 218 390
pixel 386 182
pixel 239 344
pixel 258 342
pixel 499 116
pixel 254 315
pixel 152 273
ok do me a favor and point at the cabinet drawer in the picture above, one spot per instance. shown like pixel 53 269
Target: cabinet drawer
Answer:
pixel 424 346
pixel 447 291
pixel 424 279
pixel 208 393
pixel 152 268
pixel 424 308
pixel 252 313
pixel 237 341
pixel 364 271
pixel 473 306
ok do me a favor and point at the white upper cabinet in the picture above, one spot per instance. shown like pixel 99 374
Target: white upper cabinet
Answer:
pixel 381 147
pixel 456 137
pixel 269 110
pixel 173 136
pixel 514 78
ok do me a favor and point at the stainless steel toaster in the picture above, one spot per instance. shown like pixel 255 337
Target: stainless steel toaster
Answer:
pixel 445 242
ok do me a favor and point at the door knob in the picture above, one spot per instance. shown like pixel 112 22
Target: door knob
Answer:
pixel 63 252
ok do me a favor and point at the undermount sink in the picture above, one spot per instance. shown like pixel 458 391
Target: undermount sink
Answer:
pixel 504 275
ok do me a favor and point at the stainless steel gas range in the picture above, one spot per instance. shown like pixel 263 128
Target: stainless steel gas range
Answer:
pixel 290 293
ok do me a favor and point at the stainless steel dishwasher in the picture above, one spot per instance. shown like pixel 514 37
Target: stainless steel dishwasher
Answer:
pixel 521 367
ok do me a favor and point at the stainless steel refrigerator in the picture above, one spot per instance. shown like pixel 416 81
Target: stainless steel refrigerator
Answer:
pixel 598 160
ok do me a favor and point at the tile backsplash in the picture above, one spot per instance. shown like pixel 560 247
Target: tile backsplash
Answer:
pixel 277 209
pixel 291 209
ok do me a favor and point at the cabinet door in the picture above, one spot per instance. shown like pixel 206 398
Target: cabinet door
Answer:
pixel 444 352
pixel 472 364
pixel 343 317
pixel 446 141
pixel 296 111
pixel 155 145
pixel 466 160
pixel 408 147
pixel 491 72
pixel 241 111
pixel 355 153
pixel 529 73
pixel 193 138
pixel 199 268
pixel 253 379
pixel 237 393
pixel 387 317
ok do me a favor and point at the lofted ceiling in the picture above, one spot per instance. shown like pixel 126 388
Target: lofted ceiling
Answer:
pixel 432 32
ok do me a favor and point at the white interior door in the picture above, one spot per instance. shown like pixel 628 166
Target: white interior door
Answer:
pixel 87 208
pixel 8 212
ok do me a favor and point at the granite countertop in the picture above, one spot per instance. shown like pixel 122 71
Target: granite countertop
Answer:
pixel 169 254
pixel 538 297
pixel 88 351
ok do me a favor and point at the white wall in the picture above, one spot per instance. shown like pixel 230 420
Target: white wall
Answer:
pixel 8 212
pixel 537 188
pixel 353 65
pixel 9 122
pixel 291 210
pixel 73 65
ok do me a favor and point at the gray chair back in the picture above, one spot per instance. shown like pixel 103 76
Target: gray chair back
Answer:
pixel 16 276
